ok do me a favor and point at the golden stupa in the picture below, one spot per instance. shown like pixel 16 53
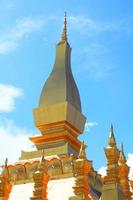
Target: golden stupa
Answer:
pixel 58 168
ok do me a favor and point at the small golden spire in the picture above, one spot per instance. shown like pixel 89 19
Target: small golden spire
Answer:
pixel 122 158
pixel 6 162
pixel 42 162
pixel 112 141
pixel 5 171
pixel 64 34
pixel 82 153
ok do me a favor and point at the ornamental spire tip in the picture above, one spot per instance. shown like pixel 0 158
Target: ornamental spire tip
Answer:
pixel 112 141
pixel 64 34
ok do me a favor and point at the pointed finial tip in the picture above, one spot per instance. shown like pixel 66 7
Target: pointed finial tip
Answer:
pixel 64 34
pixel 6 162
pixel 112 141
pixel 65 17
pixel 82 152
pixel 111 130
pixel 122 147
pixel 122 158
pixel 111 126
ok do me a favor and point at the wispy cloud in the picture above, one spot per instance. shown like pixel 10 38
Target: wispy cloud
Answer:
pixel 89 125
pixel 9 5
pixel 13 140
pixel 84 24
pixel 89 26
pixel 97 61
pixel 11 39
pixel 8 95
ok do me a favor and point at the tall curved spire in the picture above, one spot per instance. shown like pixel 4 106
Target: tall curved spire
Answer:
pixel 64 34
pixel 60 86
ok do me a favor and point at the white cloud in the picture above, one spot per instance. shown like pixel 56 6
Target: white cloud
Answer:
pixel 11 39
pixel 9 6
pixel 89 125
pixel 8 95
pixel 97 61
pixel 98 69
pixel 13 140
pixel 102 170
pixel 83 24
pixel 130 163
pixel 88 26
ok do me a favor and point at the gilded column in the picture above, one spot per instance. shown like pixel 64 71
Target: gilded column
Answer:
pixel 111 188
pixel 123 174
pixel 5 185
pixel 82 168
pixel 112 155
pixel 41 179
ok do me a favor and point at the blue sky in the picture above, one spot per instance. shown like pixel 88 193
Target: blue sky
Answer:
pixel 101 36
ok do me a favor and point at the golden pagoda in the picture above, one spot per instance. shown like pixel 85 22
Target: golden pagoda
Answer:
pixel 116 183
pixel 59 117
pixel 58 168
